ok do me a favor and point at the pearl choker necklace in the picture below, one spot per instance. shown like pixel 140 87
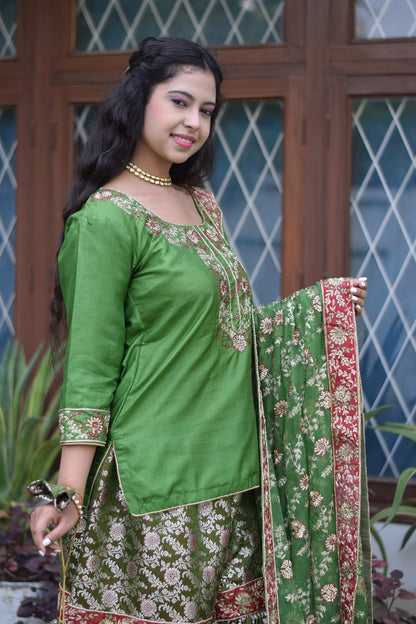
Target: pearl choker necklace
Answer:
pixel 148 177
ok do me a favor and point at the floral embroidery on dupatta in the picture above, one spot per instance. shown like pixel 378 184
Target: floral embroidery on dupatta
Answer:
pixel 208 242
pixel 310 438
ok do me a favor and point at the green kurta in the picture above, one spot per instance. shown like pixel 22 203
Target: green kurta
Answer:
pixel 158 360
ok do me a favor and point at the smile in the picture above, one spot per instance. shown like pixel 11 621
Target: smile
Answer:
pixel 183 141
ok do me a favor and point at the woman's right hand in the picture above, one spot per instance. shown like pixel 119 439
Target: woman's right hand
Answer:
pixel 76 460
pixel 62 521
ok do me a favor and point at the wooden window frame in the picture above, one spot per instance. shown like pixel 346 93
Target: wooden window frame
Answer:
pixel 315 72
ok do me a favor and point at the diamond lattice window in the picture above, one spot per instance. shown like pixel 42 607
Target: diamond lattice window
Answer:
pixel 122 24
pixel 384 19
pixel 383 234
pixel 8 24
pixel 247 182
pixel 7 222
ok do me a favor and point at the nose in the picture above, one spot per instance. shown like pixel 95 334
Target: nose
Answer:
pixel 192 119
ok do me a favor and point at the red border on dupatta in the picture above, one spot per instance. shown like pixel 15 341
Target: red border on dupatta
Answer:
pixel 344 383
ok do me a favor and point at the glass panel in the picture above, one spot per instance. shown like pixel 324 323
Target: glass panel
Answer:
pixel 383 233
pixel 384 19
pixel 247 182
pixel 8 22
pixel 122 24
pixel 7 221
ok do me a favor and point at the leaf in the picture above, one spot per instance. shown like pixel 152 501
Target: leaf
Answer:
pixel 378 563
pixel 393 618
pixel 27 608
pixel 380 543
pixel 408 535
pixel 402 429
pixel 404 478
pixel 406 595
pixel 4 478
pixel 403 510
pixel 44 457
pixel 29 399
pixel 374 412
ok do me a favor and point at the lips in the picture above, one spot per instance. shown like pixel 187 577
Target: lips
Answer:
pixel 183 140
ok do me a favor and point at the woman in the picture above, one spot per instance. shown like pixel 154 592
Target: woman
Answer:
pixel 158 426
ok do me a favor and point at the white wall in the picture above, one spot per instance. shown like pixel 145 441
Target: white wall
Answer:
pixel 404 560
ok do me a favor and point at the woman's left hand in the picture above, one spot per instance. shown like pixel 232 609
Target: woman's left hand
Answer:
pixel 359 293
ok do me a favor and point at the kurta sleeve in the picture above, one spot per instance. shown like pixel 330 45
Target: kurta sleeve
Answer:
pixel 95 264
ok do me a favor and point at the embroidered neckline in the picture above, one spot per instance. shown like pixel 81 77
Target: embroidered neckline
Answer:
pixel 198 205
pixel 208 242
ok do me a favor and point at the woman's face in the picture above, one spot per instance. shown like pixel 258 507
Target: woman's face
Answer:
pixel 177 119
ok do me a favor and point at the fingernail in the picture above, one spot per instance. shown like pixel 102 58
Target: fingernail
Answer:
pixel 46 542
pixel 358 307
pixel 363 279
pixel 354 289
pixel 354 298
pixel 42 554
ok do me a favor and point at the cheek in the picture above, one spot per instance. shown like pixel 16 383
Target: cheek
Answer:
pixel 155 112
pixel 205 129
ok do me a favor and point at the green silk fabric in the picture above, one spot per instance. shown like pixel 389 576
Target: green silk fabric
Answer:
pixel 314 507
pixel 158 359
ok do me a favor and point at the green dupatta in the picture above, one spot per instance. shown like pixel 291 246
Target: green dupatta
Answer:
pixel 316 545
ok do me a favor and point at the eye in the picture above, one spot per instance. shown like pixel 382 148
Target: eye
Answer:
pixel 208 112
pixel 179 102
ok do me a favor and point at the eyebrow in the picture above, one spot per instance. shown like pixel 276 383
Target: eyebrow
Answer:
pixel 190 96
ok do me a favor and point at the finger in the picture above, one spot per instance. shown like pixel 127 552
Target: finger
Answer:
pixel 50 547
pixel 43 518
pixel 359 296
pixel 53 536
pixel 67 520
pixel 46 544
pixel 40 519
pixel 359 293
pixel 360 282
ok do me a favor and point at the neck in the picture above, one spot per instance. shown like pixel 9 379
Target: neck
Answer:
pixel 148 177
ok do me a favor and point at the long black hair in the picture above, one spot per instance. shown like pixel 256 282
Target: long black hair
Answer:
pixel 111 145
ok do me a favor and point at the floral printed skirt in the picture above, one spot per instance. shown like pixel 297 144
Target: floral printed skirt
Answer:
pixel 193 564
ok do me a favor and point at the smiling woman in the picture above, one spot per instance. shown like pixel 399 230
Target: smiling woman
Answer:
pixel 177 123
pixel 159 348
pixel 158 419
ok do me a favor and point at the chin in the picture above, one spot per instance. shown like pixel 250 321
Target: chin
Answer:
pixel 180 160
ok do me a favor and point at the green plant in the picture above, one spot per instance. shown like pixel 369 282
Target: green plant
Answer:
pixel 400 506
pixel 28 421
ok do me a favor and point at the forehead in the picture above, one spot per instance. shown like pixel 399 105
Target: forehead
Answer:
pixel 200 83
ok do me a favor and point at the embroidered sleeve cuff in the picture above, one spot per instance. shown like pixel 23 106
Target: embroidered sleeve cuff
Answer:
pixel 83 426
